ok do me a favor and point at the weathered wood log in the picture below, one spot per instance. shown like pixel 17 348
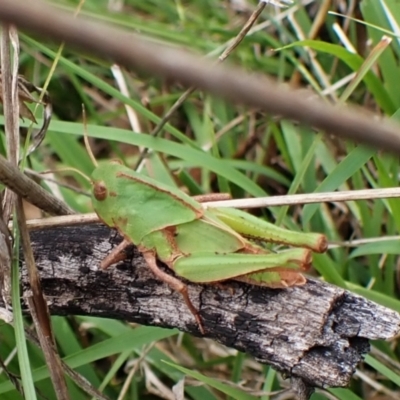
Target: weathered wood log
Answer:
pixel 316 333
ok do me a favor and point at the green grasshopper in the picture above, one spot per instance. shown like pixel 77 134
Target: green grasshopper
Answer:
pixel 200 245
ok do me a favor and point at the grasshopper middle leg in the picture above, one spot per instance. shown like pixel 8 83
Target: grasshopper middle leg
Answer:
pixel 117 254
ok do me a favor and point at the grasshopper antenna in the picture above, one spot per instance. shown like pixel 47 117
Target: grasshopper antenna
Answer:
pixel 86 137
pixel 88 149
pixel 67 169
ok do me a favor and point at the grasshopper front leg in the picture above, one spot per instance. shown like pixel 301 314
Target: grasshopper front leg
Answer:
pixel 175 284
pixel 116 255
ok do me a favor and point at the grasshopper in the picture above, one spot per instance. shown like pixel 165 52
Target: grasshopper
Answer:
pixel 201 245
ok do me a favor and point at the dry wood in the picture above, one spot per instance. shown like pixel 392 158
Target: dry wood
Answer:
pixel 317 333
pixel 9 70
pixel 9 98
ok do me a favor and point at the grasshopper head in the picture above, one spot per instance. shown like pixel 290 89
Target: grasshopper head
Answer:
pixel 101 179
pixel 104 193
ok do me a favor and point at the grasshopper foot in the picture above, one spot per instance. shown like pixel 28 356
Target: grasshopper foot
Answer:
pixel 175 284
pixel 224 286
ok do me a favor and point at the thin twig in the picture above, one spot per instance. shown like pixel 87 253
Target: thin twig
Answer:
pixel 360 242
pixel 9 98
pixel 43 177
pixel 64 220
pixel 9 92
pixel 39 310
pixel 295 199
pixel 376 385
pixel 309 198
pixel 243 32
pixel 75 376
pixel 29 190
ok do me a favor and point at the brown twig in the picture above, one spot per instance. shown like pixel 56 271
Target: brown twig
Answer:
pixel 39 310
pixel 9 72
pixel 75 376
pixel 42 176
pixel 9 95
pixel 19 183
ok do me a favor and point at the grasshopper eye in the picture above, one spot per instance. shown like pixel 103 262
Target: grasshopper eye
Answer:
pixel 100 191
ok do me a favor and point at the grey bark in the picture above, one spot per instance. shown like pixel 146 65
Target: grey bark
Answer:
pixel 316 333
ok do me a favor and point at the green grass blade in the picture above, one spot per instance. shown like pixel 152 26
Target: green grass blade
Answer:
pixel 351 164
pixel 344 394
pixel 23 357
pixel 383 369
pixel 106 88
pixel 131 340
pixel 355 62
pixel 383 247
pixel 197 157
pixel 222 387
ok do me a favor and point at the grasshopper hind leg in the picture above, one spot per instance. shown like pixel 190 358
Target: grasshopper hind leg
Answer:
pixel 175 284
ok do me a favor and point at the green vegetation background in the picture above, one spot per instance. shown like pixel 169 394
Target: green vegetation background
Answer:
pixel 210 145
